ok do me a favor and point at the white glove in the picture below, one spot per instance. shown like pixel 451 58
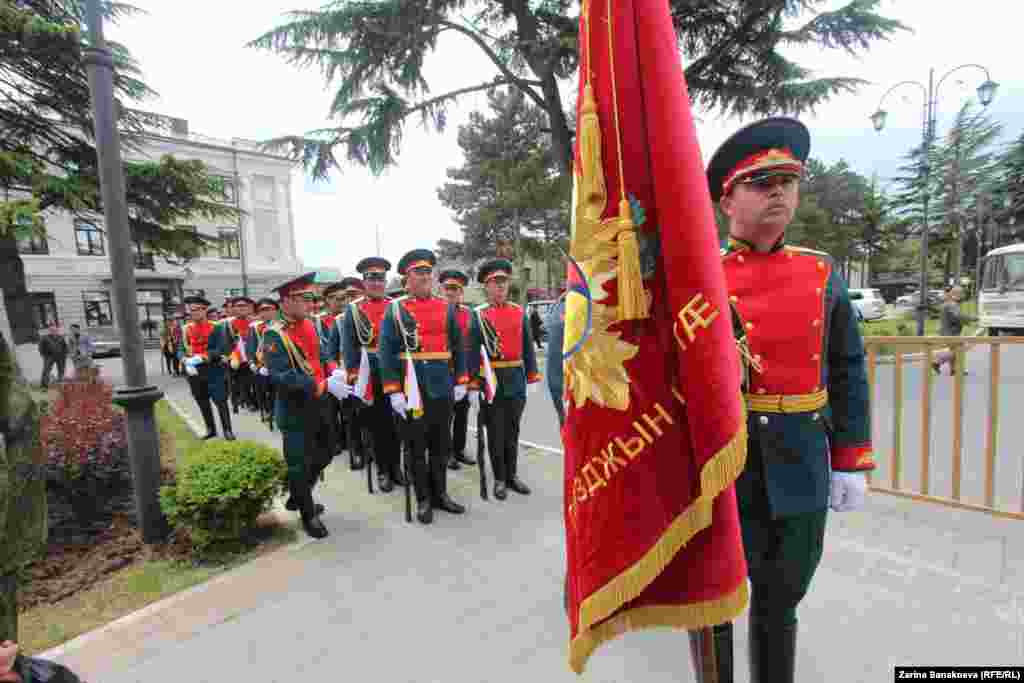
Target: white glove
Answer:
pixel 195 360
pixel 848 491
pixel 191 370
pixel 340 374
pixel 265 372
pixel 460 392
pixel 398 403
pixel 338 387
pixel 473 394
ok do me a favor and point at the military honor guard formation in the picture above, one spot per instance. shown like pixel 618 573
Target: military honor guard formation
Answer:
pixel 389 379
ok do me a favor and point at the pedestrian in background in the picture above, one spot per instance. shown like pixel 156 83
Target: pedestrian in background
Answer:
pixel 54 350
pixel 82 350
pixel 951 324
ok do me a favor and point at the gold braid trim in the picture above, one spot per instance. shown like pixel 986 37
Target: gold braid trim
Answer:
pixel 295 354
pixel 695 616
pixel 718 473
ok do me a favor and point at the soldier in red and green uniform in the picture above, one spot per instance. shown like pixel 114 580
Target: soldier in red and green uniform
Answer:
pixel 453 286
pixel 266 310
pixel 350 435
pixel 205 374
pixel 291 351
pixel 805 385
pixel 234 330
pixel 360 344
pixel 502 329
pixel 422 329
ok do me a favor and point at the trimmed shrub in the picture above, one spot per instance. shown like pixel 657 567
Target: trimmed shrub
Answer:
pixel 222 488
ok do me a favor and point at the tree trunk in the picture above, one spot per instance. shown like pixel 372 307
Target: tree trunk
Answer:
pixel 561 137
pixel 12 282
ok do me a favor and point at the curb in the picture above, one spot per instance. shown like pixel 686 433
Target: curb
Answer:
pixel 78 642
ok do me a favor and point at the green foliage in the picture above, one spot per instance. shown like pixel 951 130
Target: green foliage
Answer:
pixel 222 488
pixel 375 51
pixel 509 184
pixel 48 159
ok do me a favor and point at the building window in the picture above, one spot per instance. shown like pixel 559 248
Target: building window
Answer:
pixel 97 309
pixel 44 309
pixel 88 239
pixel 227 195
pixel 34 243
pixel 229 247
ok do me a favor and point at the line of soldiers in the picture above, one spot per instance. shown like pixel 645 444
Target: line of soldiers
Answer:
pixel 373 374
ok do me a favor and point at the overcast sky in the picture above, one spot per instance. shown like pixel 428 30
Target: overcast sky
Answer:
pixel 192 53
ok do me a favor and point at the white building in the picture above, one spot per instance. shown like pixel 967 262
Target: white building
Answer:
pixel 68 274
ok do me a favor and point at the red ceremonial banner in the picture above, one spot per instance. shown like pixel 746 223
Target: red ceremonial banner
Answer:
pixel 655 434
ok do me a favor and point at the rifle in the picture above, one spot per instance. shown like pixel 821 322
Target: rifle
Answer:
pixel 481 453
pixel 405 453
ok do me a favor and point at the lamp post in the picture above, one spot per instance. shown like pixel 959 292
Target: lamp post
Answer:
pixel 986 91
pixel 138 397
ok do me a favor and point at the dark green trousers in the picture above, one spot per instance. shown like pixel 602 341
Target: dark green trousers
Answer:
pixel 782 553
pixel 8 607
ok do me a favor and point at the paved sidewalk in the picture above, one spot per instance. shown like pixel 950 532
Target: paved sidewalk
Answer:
pixel 478 598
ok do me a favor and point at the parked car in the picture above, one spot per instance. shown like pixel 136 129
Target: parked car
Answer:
pixel 106 340
pixel 869 303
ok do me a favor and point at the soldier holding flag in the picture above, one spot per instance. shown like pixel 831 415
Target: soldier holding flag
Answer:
pixel 501 329
pixel 453 284
pixel 202 366
pixel 360 343
pixel 291 350
pixel 805 383
pixel 423 368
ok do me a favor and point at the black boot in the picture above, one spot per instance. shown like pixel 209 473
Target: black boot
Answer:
pixel 211 426
pixel 465 459
pixel 516 484
pixel 772 653
pixel 711 653
pixel 397 476
pixel 453 464
pixel 448 505
pixel 225 420
pixel 424 511
pixel 384 482
pixel 499 490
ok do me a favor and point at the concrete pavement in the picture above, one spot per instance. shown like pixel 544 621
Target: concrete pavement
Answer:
pixel 478 597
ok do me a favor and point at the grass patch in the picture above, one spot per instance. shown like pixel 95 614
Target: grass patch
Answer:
pixel 126 591
pixel 176 438
pixel 160 572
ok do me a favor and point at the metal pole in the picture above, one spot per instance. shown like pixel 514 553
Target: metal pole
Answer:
pixel 241 228
pixel 137 398
pixel 929 125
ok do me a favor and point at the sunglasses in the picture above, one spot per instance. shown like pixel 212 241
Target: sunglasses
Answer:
pixel 422 270
pixel 375 277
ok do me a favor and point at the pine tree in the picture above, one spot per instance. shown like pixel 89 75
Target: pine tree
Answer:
pixel 374 52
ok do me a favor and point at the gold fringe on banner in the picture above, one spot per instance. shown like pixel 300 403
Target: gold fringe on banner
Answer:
pixel 717 474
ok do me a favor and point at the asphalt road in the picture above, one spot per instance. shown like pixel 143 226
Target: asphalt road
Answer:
pixel 540 426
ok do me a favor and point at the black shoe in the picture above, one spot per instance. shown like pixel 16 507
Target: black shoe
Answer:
pixel 210 435
pixel 499 490
pixel 357 462
pixel 518 486
pixel 464 459
pixel 424 512
pixel 225 421
pixel 314 527
pixel 453 464
pixel 398 477
pixel 448 505
pixel 385 483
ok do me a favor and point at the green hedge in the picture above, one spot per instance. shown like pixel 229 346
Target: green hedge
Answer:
pixel 221 488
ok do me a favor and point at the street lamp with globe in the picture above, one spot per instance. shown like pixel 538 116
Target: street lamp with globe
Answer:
pixel 986 93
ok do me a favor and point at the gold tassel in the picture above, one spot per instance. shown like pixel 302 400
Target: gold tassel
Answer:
pixel 632 297
pixel 593 194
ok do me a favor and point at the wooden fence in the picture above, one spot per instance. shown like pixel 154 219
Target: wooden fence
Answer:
pixel 924 349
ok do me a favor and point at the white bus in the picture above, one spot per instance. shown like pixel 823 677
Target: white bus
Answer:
pixel 1001 304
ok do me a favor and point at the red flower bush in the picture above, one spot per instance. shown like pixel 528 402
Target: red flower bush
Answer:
pixel 81 430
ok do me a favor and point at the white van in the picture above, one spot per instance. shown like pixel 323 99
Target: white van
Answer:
pixel 1001 304
pixel 869 302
